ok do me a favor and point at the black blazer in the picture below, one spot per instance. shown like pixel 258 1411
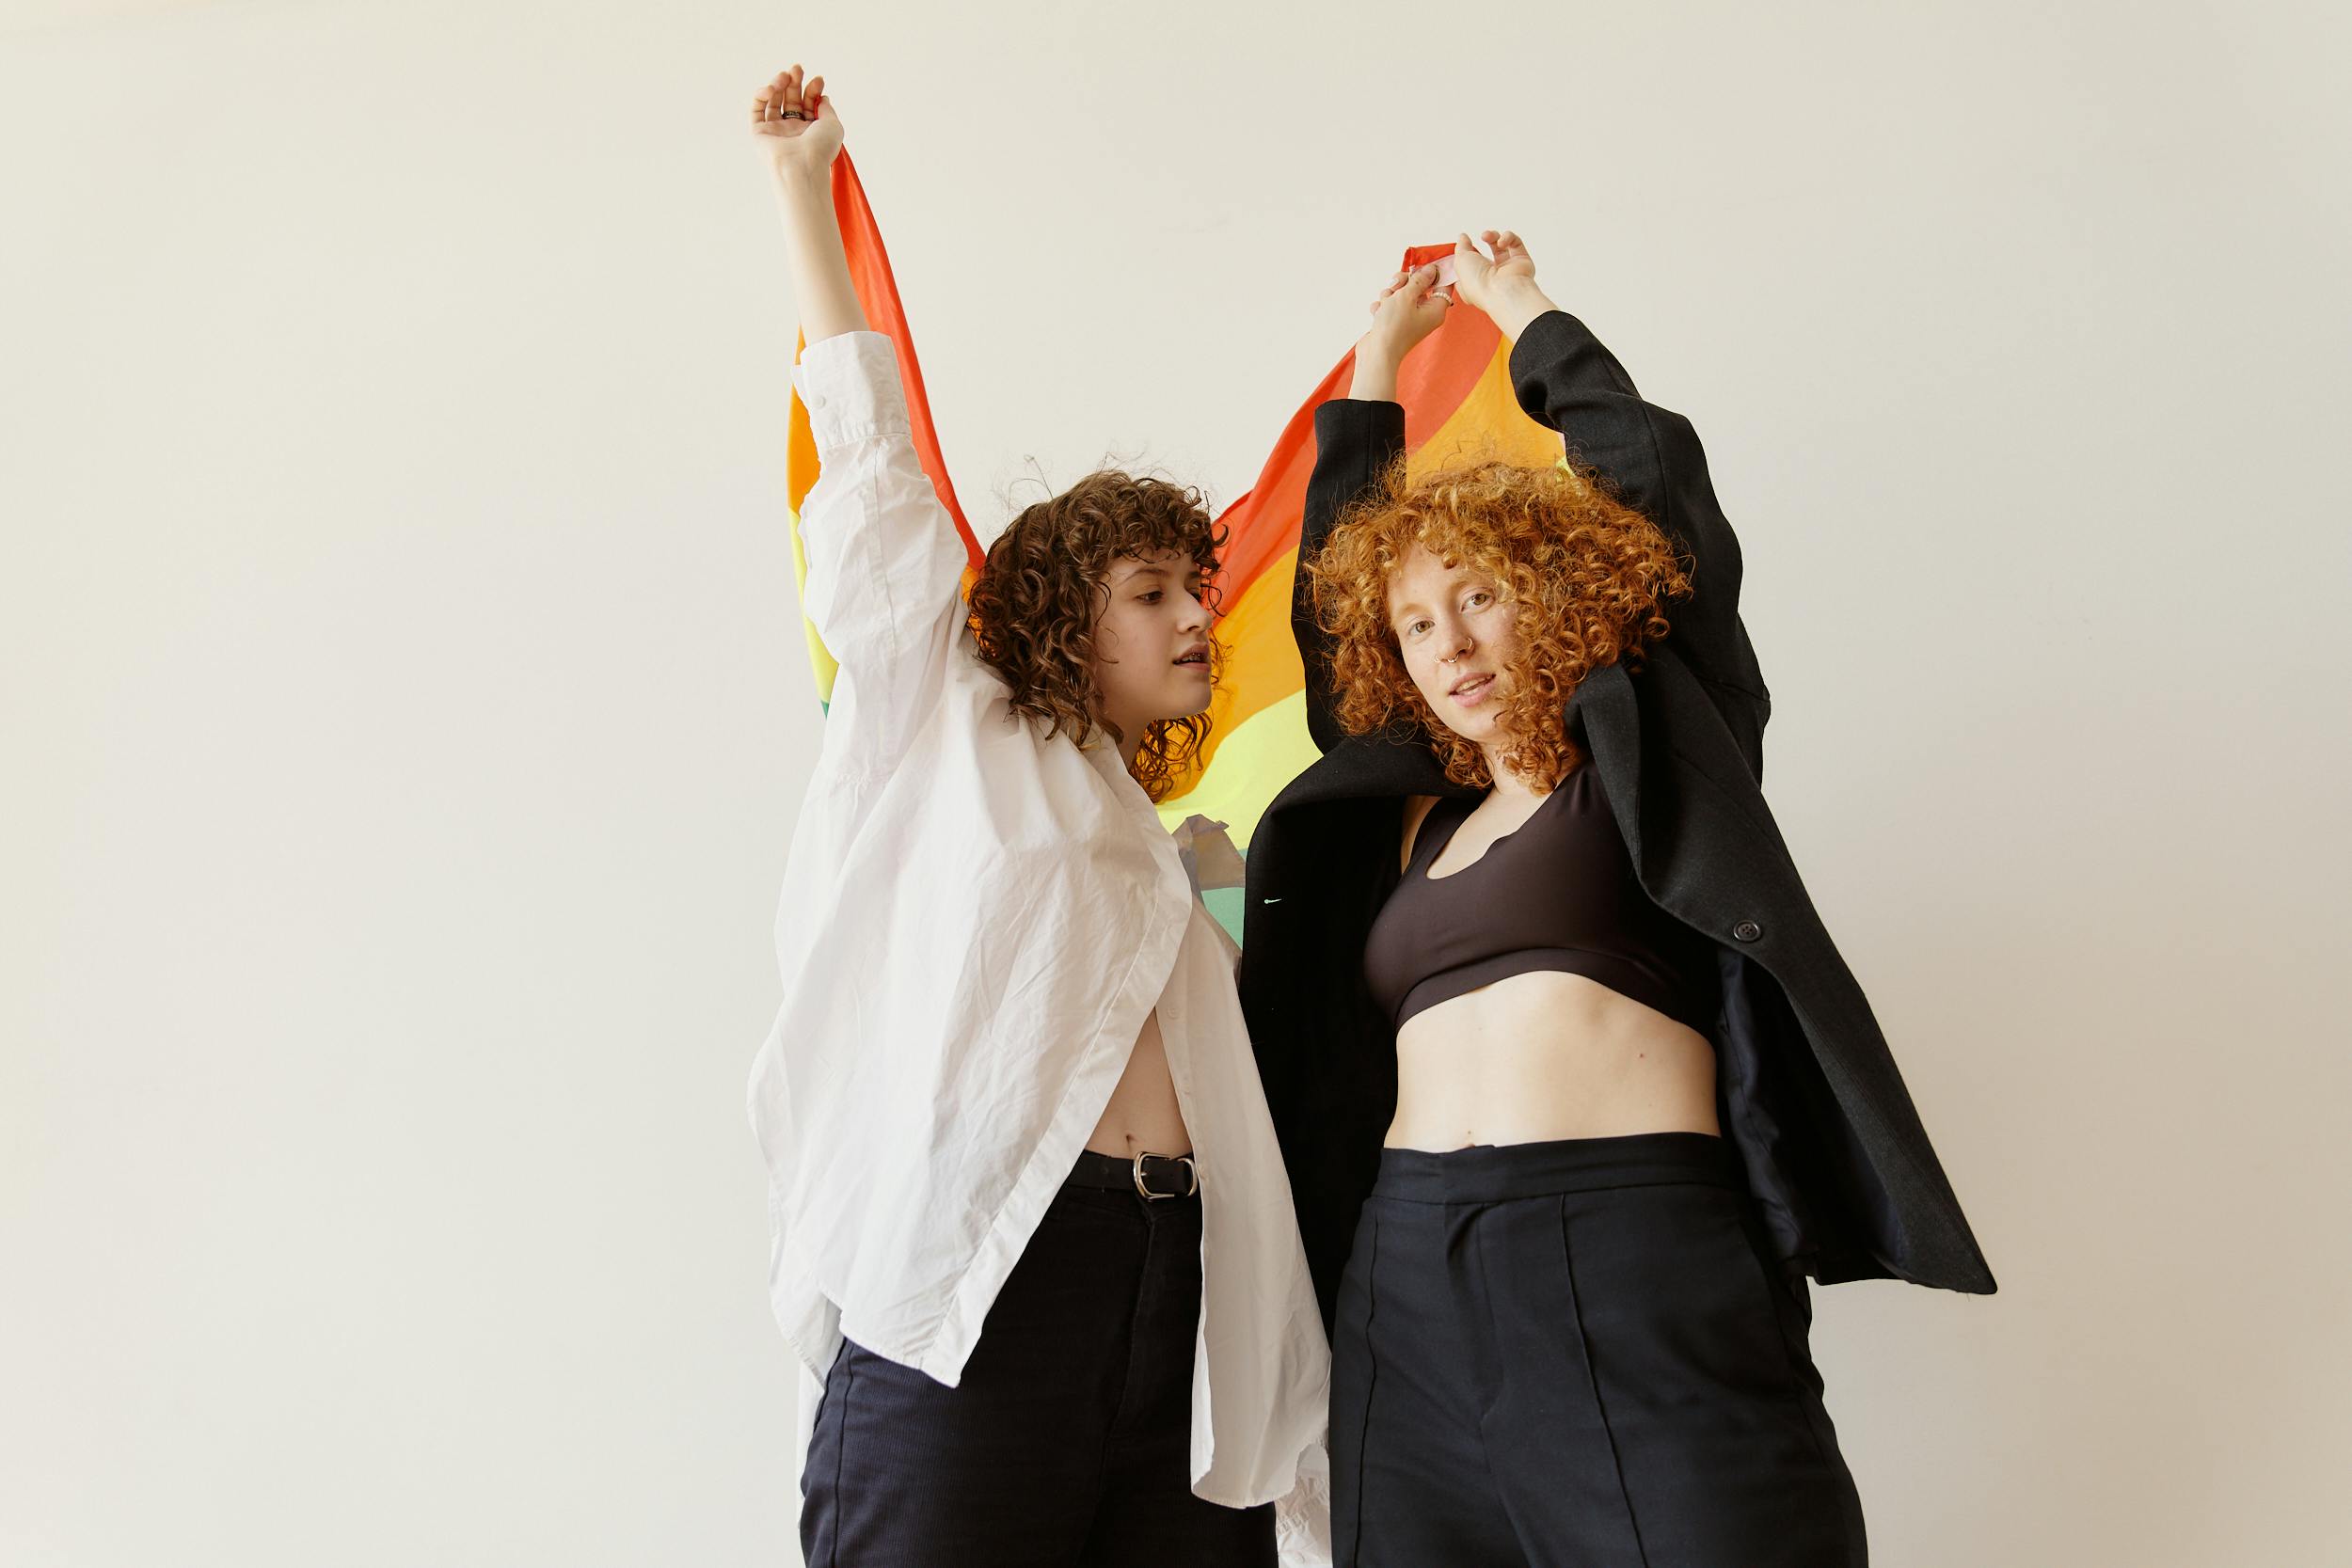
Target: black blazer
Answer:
pixel 1842 1169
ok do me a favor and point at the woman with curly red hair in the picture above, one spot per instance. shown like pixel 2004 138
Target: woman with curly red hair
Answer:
pixel 1572 1086
pixel 1028 1206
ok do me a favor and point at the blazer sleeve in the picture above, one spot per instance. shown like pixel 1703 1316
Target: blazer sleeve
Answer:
pixel 1652 459
pixel 1355 443
pixel 885 565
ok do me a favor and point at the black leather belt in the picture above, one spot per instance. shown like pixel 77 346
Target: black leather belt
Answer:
pixel 1156 1178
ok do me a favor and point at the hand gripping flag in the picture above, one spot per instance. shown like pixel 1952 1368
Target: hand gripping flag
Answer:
pixel 1456 388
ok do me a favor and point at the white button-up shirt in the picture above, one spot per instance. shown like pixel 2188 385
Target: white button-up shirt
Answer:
pixel 976 922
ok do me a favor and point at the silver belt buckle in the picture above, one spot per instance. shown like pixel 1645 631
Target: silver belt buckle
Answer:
pixel 1191 1170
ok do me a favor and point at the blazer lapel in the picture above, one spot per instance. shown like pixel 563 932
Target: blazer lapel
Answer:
pixel 1605 704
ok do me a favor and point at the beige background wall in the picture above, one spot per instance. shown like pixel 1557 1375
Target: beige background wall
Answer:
pixel 405 708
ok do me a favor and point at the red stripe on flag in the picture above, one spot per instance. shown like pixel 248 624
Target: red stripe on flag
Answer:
pixel 878 291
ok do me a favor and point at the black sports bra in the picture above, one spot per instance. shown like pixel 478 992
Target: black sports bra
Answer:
pixel 1557 893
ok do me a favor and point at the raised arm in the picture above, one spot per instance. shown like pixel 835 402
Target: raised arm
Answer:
pixel 1357 438
pixel 1648 455
pixel 884 560
pixel 798 134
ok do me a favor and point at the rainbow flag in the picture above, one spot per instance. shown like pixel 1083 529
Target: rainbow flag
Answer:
pixel 1456 388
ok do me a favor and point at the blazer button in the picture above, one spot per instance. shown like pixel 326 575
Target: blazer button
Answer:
pixel 1747 930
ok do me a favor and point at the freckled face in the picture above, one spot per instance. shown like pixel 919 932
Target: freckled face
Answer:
pixel 1457 639
pixel 1152 641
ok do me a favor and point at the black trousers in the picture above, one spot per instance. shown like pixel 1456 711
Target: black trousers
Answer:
pixel 1067 1442
pixel 1574 1355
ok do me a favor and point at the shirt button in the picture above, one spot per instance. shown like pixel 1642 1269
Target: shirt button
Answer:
pixel 1747 930
pixel 817 400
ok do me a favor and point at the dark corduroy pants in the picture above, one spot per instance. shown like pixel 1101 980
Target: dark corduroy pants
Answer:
pixel 1572 1355
pixel 1067 1444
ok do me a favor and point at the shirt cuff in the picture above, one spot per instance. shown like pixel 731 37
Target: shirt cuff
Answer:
pixel 849 383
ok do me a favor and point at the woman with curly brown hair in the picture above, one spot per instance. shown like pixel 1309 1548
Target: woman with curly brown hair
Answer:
pixel 1030 1227
pixel 1572 1086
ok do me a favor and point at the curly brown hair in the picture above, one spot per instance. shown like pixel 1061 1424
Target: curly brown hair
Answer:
pixel 1589 578
pixel 1039 593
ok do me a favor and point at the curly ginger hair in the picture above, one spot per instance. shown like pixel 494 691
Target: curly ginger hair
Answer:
pixel 1042 590
pixel 1588 577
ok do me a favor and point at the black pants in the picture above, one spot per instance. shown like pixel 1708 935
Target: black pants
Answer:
pixel 1067 1443
pixel 1573 1355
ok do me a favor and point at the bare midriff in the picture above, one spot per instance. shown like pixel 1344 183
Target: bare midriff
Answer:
pixel 1143 1117
pixel 1545 1055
